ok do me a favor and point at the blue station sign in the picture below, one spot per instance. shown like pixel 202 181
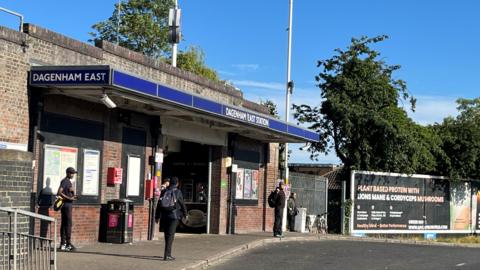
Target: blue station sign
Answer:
pixel 105 76
pixel 245 116
pixel 88 77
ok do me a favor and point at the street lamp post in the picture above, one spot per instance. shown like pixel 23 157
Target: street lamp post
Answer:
pixel 289 84
pixel 289 88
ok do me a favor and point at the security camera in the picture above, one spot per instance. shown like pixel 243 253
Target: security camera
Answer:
pixel 108 102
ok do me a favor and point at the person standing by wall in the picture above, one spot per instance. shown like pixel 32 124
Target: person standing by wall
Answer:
pixel 67 193
pixel 279 206
pixel 170 217
pixel 292 211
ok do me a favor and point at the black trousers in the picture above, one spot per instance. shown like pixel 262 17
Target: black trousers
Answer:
pixel 291 222
pixel 66 227
pixel 169 229
pixel 277 225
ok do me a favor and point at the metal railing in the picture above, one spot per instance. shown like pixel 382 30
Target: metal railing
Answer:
pixel 20 16
pixel 22 250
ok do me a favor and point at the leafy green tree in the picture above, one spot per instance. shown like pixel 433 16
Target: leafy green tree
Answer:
pixel 460 140
pixel 272 107
pixel 360 116
pixel 142 26
pixel 139 25
pixel 193 60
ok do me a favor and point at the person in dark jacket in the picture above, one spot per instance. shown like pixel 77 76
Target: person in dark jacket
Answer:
pixel 67 192
pixel 279 207
pixel 291 211
pixel 169 219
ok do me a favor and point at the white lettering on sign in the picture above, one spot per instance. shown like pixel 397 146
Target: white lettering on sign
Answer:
pixel 247 117
pixel 69 77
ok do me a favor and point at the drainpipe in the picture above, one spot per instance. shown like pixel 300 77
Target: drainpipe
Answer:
pixel 231 186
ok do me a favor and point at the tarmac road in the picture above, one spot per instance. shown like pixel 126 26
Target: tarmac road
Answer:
pixel 349 255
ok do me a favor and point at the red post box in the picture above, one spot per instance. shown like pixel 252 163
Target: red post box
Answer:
pixel 114 176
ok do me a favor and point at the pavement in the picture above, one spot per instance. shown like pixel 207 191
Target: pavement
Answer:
pixel 192 251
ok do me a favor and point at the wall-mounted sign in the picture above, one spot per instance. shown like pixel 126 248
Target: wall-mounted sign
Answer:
pixel 133 175
pixel 91 172
pixel 56 160
pixel 70 77
pixel 246 117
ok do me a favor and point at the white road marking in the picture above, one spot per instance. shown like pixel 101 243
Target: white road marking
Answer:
pixel 460 264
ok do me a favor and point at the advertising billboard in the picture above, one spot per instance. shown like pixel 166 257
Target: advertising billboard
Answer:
pixel 399 203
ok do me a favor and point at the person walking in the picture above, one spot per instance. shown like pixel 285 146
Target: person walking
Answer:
pixel 279 207
pixel 67 193
pixel 292 211
pixel 170 217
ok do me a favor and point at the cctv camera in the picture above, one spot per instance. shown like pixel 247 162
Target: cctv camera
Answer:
pixel 108 102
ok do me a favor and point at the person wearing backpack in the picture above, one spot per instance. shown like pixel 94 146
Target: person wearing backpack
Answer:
pixel 171 208
pixel 279 206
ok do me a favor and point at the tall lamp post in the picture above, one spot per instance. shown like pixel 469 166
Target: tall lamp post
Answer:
pixel 289 84
pixel 289 89
pixel 175 34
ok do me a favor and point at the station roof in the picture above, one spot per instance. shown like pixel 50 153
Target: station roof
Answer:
pixel 129 91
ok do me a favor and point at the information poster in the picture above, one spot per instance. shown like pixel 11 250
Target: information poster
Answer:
pixel 247 186
pixel 460 206
pixel 239 184
pixel 133 175
pixel 476 205
pixel 255 175
pixel 91 172
pixel 56 160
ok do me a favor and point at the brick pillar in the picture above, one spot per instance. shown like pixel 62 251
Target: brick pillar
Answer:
pixel 16 178
pixel 219 189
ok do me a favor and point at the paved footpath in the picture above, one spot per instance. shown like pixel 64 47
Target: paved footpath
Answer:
pixel 190 251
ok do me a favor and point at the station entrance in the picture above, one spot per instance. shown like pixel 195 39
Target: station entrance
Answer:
pixel 190 163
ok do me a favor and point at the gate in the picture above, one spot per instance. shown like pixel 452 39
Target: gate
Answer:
pixel 311 192
pixel 20 249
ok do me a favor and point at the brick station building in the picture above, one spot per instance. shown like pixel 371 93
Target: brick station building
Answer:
pixel 104 109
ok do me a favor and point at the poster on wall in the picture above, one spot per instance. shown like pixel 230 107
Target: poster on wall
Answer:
pixel 239 184
pixel 460 206
pixel 247 185
pixel 133 175
pixel 476 205
pixel 255 175
pixel 384 203
pixel 56 160
pixel 91 172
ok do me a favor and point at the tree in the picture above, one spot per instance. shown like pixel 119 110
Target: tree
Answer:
pixel 193 60
pixel 142 26
pixel 272 107
pixel 139 25
pixel 460 140
pixel 360 116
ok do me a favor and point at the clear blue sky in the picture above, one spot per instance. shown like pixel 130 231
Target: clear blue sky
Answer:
pixel 435 42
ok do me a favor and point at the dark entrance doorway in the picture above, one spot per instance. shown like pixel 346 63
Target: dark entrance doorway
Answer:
pixel 190 165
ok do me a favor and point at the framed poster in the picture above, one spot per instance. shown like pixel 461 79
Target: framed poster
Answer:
pixel 255 175
pixel 133 175
pixel 91 172
pixel 247 185
pixel 55 161
pixel 239 184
